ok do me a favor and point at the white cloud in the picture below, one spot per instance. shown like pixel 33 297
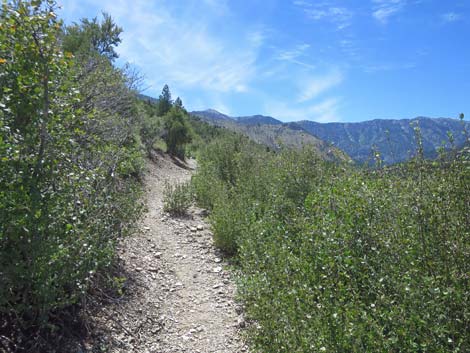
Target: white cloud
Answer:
pixel 312 87
pixel 169 44
pixel 350 48
pixel 294 55
pixel 451 17
pixel 325 111
pixel 220 7
pixel 384 9
pixel 256 38
pixel 389 67
pixel 340 16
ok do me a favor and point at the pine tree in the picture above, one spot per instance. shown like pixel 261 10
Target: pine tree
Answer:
pixel 179 103
pixel 164 101
pixel 178 131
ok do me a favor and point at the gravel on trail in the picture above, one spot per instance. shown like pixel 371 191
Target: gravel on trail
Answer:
pixel 181 296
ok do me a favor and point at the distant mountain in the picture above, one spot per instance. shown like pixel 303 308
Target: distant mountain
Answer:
pixel 394 139
pixel 214 115
pixel 146 98
pixel 272 133
pixel 258 119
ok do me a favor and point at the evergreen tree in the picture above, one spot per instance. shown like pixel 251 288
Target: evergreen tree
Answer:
pixel 179 103
pixel 92 36
pixel 164 101
pixel 178 131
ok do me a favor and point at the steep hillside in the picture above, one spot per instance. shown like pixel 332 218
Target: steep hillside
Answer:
pixel 395 139
pixel 258 119
pixel 212 115
pixel 274 134
pixel 215 116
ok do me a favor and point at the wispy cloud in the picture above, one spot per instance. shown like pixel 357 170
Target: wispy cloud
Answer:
pixel 324 111
pixel 384 9
pixel 312 87
pixel 182 52
pixel 295 54
pixel 340 16
pixel 450 17
pixel 350 48
pixel 389 67
pixel 221 7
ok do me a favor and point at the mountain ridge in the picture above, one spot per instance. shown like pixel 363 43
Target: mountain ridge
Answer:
pixel 394 139
pixel 273 134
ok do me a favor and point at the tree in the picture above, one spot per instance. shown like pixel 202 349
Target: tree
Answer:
pixel 179 103
pixel 67 156
pixel 92 36
pixel 164 101
pixel 178 131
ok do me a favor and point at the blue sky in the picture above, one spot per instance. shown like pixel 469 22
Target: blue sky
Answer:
pixel 321 60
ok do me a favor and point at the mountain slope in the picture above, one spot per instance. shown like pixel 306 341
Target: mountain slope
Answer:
pixel 394 139
pixel 258 119
pixel 273 134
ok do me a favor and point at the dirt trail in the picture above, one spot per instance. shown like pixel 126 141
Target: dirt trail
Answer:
pixel 181 296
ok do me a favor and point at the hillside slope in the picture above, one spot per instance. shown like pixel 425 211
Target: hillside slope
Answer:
pixel 272 133
pixel 394 139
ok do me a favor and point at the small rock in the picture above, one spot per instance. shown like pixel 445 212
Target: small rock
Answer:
pixel 199 227
pixel 241 323
pixel 193 229
pixel 217 260
pixel 139 269
pixel 217 269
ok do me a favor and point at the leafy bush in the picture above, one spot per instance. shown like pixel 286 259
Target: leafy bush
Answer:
pixel 69 158
pixel 341 259
pixel 178 131
pixel 177 198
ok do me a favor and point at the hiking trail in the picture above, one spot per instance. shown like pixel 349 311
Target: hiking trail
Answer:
pixel 181 296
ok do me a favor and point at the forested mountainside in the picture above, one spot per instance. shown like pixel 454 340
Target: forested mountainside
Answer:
pixel 395 140
pixel 274 135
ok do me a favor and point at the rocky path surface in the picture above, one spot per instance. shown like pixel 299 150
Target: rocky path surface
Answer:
pixel 181 294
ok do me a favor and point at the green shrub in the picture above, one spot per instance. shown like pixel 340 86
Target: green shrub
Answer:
pixel 339 259
pixel 178 198
pixel 69 159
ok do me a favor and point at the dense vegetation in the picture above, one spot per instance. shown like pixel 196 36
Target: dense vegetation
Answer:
pixel 73 138
pixel 339 259
pixel 333 258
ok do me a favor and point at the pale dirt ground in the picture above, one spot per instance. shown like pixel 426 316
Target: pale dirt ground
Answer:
pixel 181 297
